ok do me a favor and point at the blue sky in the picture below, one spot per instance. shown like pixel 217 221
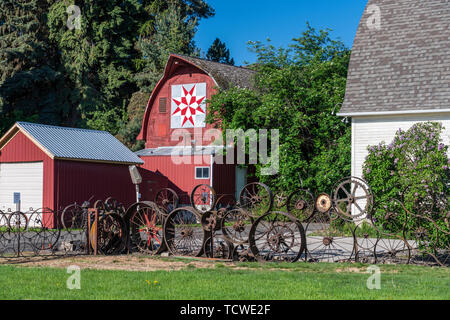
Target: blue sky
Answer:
pixel 238 21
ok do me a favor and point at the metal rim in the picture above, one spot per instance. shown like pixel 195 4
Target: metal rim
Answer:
pixel 222 249
pixel 353 198
pixel 277 236
pixel 203 198
pixel 300 203
pixel 236 225
pixel 167 199
pixel 146 229
pixel 183 232
pixel 256 198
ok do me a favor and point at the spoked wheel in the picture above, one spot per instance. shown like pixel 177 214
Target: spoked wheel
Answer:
pixel 45 236
pixel 4 240
pixel 300 203
pixel 203 198
pixel 392 246
pixel 236 226
pixel 256 198
pixel 226 202
pixel 280 200
pixel 353 198
pixel 242 253
pixel 74 218
pixel 112 237
pixel 146 226
pixel 183 232
pixel 167 199
pixel 221 248
pixel 17 226
pixel 277 236
pixel 112 204
pixel 366 239
pixel 329 240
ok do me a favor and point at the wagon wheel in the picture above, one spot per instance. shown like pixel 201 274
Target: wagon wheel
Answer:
pixel 17 226
pixel 222 249
pixel 426 247
pixel 146 226
pixel 45 239
pixel 210 221
pixel 203 198
pixel 353 198
pixel 300 203
pixel 280 199
pixel 112 237
pixel 256 198
pixel 183 232
pixel 242 253
pixel 73 217
pixel 366 239
pixel 99 205
pixel 236 225
pixel 390 223
pixel 328 239
pixel 323 203
pixel 167 199
pixel 112 204
pixel 5 241
pixel 277 236
pixel 226 202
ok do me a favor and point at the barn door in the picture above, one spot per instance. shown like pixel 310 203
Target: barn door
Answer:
pixel 26 178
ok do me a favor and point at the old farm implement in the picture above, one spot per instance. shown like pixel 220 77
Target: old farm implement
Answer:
pixel 258 226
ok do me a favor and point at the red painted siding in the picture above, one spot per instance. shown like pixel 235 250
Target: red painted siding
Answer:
pixel 79 181
pixel 22 149
pixel 180 178
pixel 158 130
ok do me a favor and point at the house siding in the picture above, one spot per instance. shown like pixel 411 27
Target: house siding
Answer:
pixel 368 131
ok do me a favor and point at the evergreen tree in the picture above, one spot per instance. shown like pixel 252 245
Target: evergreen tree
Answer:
pixel 28 80
pixel 218 52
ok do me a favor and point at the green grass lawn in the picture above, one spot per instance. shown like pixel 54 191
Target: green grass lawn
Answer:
pixel 241 281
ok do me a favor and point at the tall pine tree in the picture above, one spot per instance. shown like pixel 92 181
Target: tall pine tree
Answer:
pixel 29 83
pixel 218 52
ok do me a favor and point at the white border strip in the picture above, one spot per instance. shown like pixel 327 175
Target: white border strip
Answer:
pixel 386 113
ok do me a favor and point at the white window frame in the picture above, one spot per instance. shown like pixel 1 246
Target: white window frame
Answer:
pixel 203 178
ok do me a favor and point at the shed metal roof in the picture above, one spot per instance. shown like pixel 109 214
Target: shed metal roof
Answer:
pixel 404 64
pixel 79 144
pixel 178 151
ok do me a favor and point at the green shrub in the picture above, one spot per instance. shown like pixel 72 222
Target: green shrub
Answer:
pixel 414 169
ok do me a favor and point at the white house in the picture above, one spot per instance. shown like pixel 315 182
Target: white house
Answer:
pixel 399 72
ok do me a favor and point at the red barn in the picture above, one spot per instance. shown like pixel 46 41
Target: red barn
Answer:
pixel 52 167
pixel 174 124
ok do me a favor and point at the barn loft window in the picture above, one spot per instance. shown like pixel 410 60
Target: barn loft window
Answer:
pixel 202 173
pixel 162 105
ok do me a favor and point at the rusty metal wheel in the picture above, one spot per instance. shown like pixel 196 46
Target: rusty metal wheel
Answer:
pixel 226 202
pixel 300 203
pixel 44 236
pixel 5 240
pixel 236 225
pixel 183 232
pixel 328 239
pixel 366 239
pixel 146 229
pixel 210 221
pixel 112 234
pixel 256 198
pixel 167 199
pixel 353 198
pixel 203 198
pixel 323 203
pixel 277 236
pixel 74 217
pixel 112 204
pixel 221 248
pixel 17 227
pixel 280 200
pixel 242 253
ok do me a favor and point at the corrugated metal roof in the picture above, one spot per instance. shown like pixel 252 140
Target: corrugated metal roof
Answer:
pixel 82 144
pixel 199 151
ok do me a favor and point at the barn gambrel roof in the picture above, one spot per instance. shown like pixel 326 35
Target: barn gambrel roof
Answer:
pixel 74 144
pixel 404 65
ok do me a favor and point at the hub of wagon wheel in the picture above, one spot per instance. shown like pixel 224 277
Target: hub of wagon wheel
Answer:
pixel 239 226
pixel 187 232
pixel 327 241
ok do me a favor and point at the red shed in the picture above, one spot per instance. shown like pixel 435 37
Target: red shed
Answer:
pixel 177 138
pixel 52 167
